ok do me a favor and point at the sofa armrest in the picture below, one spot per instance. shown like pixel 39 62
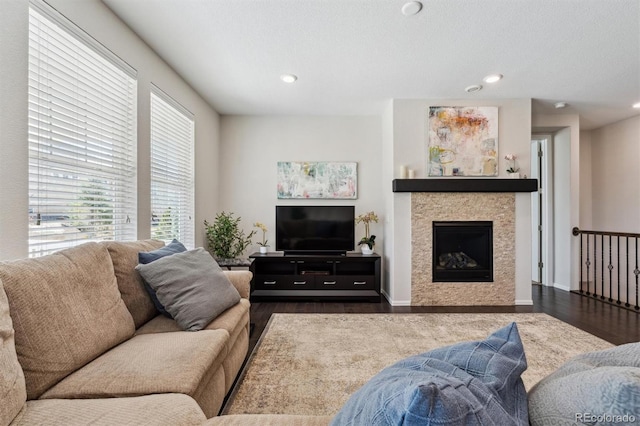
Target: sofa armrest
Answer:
pixel 241 281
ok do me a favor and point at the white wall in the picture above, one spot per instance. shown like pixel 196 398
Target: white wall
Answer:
pixel 616 176
pixel 409 125
pixel 388 268
pixel 98 21
pixel 14 19
pixel 251 146
pixel 586 181
pixel 562 224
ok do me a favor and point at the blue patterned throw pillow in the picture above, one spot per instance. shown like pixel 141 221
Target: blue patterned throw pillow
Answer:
pixel 147 257
pixel 469 383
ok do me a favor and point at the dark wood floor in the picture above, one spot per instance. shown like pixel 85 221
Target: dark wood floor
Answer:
pixel 610 323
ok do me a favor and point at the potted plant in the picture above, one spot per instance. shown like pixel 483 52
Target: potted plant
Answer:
pixel 368 241
pixel 263 244
pixel 225 239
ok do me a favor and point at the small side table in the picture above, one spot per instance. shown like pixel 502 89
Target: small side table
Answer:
pixel 234 263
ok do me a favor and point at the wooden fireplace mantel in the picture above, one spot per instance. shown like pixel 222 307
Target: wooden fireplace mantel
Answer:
pixel 465 185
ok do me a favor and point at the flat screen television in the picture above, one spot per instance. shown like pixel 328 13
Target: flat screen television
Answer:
pixel 315 229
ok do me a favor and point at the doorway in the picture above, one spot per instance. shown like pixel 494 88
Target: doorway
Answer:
pixel 542 210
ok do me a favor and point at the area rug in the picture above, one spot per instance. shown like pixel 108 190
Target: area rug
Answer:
pixel 311 363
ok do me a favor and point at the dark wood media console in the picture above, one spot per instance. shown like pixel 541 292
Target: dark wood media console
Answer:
pixel 351 276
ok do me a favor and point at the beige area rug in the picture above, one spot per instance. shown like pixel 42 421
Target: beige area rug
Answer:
pixel 311 363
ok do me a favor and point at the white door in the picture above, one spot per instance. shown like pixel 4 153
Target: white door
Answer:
pixel 541 210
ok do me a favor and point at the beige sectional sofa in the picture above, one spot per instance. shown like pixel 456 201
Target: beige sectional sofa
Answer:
pixel 82 343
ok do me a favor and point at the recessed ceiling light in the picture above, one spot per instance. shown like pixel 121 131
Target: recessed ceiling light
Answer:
pixel 288 78
pixel 560 105
pixel 493 78
pixel 636 105
pixel 411 8
pixel 473 88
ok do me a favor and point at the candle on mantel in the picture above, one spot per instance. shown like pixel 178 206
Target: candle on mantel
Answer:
pixel 403 172
pixel 412 173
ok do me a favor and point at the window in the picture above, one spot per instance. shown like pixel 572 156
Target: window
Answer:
pixel 172 140
pixel 82 137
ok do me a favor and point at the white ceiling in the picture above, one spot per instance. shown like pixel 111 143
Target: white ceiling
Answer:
pixel 352 56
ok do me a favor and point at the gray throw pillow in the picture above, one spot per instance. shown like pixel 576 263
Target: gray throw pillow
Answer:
pixel 600 387
pixel 191 286
pixel 145 257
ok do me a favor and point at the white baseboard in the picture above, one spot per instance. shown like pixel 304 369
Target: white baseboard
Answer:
pixel 524 302
pixel 562 287
pixel 395 302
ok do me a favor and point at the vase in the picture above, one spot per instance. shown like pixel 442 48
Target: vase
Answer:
pixel 515 175
pixel 264 249
pixel 366 249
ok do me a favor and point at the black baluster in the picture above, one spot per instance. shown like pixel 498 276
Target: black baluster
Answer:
pixel 610 272
pixel 588 263
pixel 595 265
pixel 628 282
pixel 581 268
pixel 602 267
pixel 637 272
pixel 618 300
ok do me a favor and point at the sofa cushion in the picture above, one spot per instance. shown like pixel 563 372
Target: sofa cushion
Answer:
pixel 145 257
pixel 603 383
pixel 13 391
pixel 151 363
pixel 151 410
pixel 191 286
pixel 466 383
pixel 235 321
pixel 66 311
pixel 124 256
pixel 232 321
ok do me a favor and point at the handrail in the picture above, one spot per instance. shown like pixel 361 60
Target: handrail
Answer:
pixel 576 231
pixel 610 267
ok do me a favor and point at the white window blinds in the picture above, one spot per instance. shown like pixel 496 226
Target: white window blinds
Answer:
pixel 172 182
pixel 82 137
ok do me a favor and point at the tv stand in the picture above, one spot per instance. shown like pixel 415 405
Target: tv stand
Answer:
pixel 350 276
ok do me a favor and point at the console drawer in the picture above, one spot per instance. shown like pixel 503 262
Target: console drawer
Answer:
pixel 284 282
pixel 345 282
pixel 270 282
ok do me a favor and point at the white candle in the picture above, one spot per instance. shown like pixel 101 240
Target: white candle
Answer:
pixel 403 172
pixel 412 173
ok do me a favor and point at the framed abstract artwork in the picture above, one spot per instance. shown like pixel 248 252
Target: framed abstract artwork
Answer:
pixel 317 179
pixel 462 141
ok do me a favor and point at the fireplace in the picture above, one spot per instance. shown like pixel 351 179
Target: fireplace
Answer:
pixel 462 251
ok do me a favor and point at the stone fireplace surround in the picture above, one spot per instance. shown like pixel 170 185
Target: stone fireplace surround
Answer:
pixel 463 200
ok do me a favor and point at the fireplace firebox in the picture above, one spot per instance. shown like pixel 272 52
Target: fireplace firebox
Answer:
pixel 463 251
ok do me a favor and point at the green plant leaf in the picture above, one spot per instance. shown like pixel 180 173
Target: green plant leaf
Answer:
pixel 225 239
